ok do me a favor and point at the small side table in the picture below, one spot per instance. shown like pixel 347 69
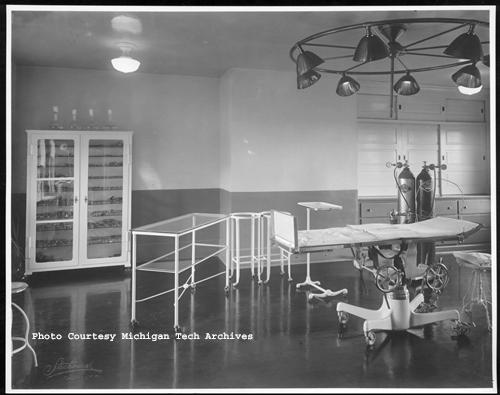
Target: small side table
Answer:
pixel 480 264
pixel 18 287
pixel 317 206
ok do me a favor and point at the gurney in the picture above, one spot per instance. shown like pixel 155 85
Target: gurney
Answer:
pixel 397 312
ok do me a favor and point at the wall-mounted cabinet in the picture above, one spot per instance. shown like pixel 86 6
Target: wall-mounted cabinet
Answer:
pixel 78 199
pixel 425 106
pixel 463 148
pixel 380 143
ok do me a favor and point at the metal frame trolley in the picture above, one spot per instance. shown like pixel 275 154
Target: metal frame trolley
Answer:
pixel 188 224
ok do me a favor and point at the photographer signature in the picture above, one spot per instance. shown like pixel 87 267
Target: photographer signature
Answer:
pixel 62 367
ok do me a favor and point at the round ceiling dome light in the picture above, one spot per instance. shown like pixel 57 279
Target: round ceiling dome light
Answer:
pixel 125 63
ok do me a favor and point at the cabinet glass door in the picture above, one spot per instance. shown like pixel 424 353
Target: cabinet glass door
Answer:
pixel 104 198
pixel 55 200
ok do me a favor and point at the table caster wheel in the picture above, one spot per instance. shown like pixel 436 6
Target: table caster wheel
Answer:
pixel 282 273
pixel 226 290
pixel 370 338
pixel 343 317
pixel 290 279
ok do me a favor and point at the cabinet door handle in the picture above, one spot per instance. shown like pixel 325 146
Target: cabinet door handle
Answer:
pixel 465 207
pixel 76 199
pixel 85 199
pixel 368 209
pixel 399 106
pixel 442 109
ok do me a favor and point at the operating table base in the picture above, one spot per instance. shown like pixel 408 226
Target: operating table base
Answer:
pixel 396 313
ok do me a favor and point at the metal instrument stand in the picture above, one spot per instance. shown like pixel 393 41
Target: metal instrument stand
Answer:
pixel 317 206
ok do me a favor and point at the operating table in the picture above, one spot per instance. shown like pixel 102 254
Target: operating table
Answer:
pixel 397 312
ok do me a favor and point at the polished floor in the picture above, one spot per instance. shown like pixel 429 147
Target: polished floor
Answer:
pixel 295 343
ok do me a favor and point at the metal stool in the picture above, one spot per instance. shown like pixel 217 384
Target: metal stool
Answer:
pixel 18 287
pixel 264 249
pixel 251 258
pixel 480 263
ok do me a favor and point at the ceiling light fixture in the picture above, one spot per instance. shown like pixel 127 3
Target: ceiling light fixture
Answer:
pixel 381 41
pixel 347 86
pixel 125 63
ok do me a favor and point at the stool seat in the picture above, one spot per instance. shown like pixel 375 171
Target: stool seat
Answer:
pixel 18 287
pixel 473 260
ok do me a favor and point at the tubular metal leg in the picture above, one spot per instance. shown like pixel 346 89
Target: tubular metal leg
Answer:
pixel 228 251
pixel 134 275
pixel 252 246
pixel 268 245
pixel 176 284
pixel 237 252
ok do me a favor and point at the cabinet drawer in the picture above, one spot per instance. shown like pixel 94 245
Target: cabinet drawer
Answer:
pixel 375 220
pixel 483 219
pixel 445 207
pixel 474 206
pixel 376 209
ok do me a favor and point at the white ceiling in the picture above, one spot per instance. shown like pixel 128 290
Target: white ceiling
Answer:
pixel 202 43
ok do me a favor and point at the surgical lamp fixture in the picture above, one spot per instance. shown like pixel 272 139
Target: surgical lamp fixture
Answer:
pixel 381 41
pixel 125 63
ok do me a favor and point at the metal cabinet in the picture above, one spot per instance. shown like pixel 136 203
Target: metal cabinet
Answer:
pixel 78 199
pixel 426 106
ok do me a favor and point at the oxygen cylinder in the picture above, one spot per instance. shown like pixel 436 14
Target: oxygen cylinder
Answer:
pixel 406 196
pixel 424 194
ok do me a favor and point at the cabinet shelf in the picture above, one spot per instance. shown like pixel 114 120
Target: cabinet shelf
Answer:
pixel 107 165
pixel 106 146
pixel 106 156
pixel 105 188
pixel 106 213
pixel 104 177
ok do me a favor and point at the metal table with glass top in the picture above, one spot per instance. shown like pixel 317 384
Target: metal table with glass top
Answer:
pixel 185 225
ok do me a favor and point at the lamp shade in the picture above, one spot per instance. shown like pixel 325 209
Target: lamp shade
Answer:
pixel 347 86
pixel 468 76
pixel 370 48
pixel 486 60
pixel 406 85
pixel 465 46
pixel 469 91
pixel 125 64
pixel 307 79
pixel 306 61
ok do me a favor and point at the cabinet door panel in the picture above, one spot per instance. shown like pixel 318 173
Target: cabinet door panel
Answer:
pixel 421 107
pixel 464 110
pixel 103 214
pixel 374 106
pixel 53 208
pixel 463 150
